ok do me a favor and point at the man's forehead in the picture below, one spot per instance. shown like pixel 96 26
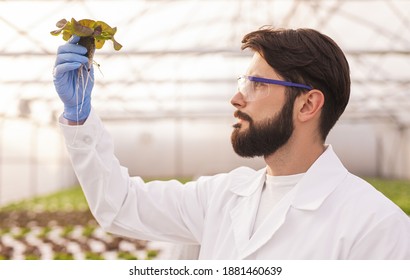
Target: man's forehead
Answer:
pixel 259 67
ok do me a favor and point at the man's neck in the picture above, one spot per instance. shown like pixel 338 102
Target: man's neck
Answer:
pixel 293 159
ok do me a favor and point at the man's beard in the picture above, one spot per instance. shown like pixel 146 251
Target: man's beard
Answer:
pixel 263 138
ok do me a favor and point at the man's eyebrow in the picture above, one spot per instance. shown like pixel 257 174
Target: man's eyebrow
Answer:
pixel 255 75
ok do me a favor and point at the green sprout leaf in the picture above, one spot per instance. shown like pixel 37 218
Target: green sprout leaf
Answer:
pixel 80 29
pixel 99 30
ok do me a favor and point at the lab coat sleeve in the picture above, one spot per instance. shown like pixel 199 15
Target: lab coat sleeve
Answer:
pixel 164 211
pixel 386 240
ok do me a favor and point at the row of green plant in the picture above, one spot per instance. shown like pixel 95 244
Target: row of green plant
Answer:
pixel 396 190
pixel 70 199
pixel 87 231
pixel 121 255
pixel 73 199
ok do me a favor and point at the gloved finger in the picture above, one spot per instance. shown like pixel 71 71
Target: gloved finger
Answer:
pixel 88 71
pixel 74 39
pixel 71 57
pixel 61 69
pixel 69 48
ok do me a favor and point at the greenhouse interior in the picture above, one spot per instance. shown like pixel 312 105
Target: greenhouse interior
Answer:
pixel 165 96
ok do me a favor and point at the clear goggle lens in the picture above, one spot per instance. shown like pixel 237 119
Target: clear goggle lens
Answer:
pixel 253 88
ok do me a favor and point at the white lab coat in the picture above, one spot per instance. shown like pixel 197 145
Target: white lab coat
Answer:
pixel 329 214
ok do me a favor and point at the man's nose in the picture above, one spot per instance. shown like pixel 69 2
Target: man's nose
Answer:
pixel 238 100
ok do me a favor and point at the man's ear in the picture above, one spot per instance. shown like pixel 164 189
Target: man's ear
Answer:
pixel 310 105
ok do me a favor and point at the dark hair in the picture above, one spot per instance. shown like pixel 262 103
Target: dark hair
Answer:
pixel 306 56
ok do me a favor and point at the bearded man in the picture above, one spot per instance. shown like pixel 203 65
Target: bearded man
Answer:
pixel 303 205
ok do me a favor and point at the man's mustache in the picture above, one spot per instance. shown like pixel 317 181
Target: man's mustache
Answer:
pixel 243 116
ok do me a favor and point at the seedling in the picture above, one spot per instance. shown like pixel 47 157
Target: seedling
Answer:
pixel 63 256
pixel 151 254
pixel 88 230
pixel 93 35
pixel 67 230
pixel 23 232
pixel 93 256
pixel 44 232
pixel 126 256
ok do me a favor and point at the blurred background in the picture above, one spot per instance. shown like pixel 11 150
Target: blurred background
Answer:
pixel 165 96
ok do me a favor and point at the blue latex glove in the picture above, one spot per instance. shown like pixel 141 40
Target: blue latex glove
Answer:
pixel 69 84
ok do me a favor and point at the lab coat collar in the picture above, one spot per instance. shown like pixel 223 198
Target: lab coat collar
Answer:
pixel 250 185
pixel 321 179
pixel 319 182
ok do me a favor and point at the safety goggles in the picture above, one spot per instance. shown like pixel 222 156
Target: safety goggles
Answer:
pixel 253 88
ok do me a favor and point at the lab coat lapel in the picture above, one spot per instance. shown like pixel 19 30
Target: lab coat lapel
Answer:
pixel 268 228
pixel 243 214
pixel 320 181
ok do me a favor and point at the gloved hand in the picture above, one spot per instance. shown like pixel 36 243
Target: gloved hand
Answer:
pixel 73 81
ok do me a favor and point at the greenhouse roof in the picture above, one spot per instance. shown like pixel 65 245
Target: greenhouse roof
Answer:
pixel 181 58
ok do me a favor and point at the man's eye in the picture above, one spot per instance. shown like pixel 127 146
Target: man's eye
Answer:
pixel 258 84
